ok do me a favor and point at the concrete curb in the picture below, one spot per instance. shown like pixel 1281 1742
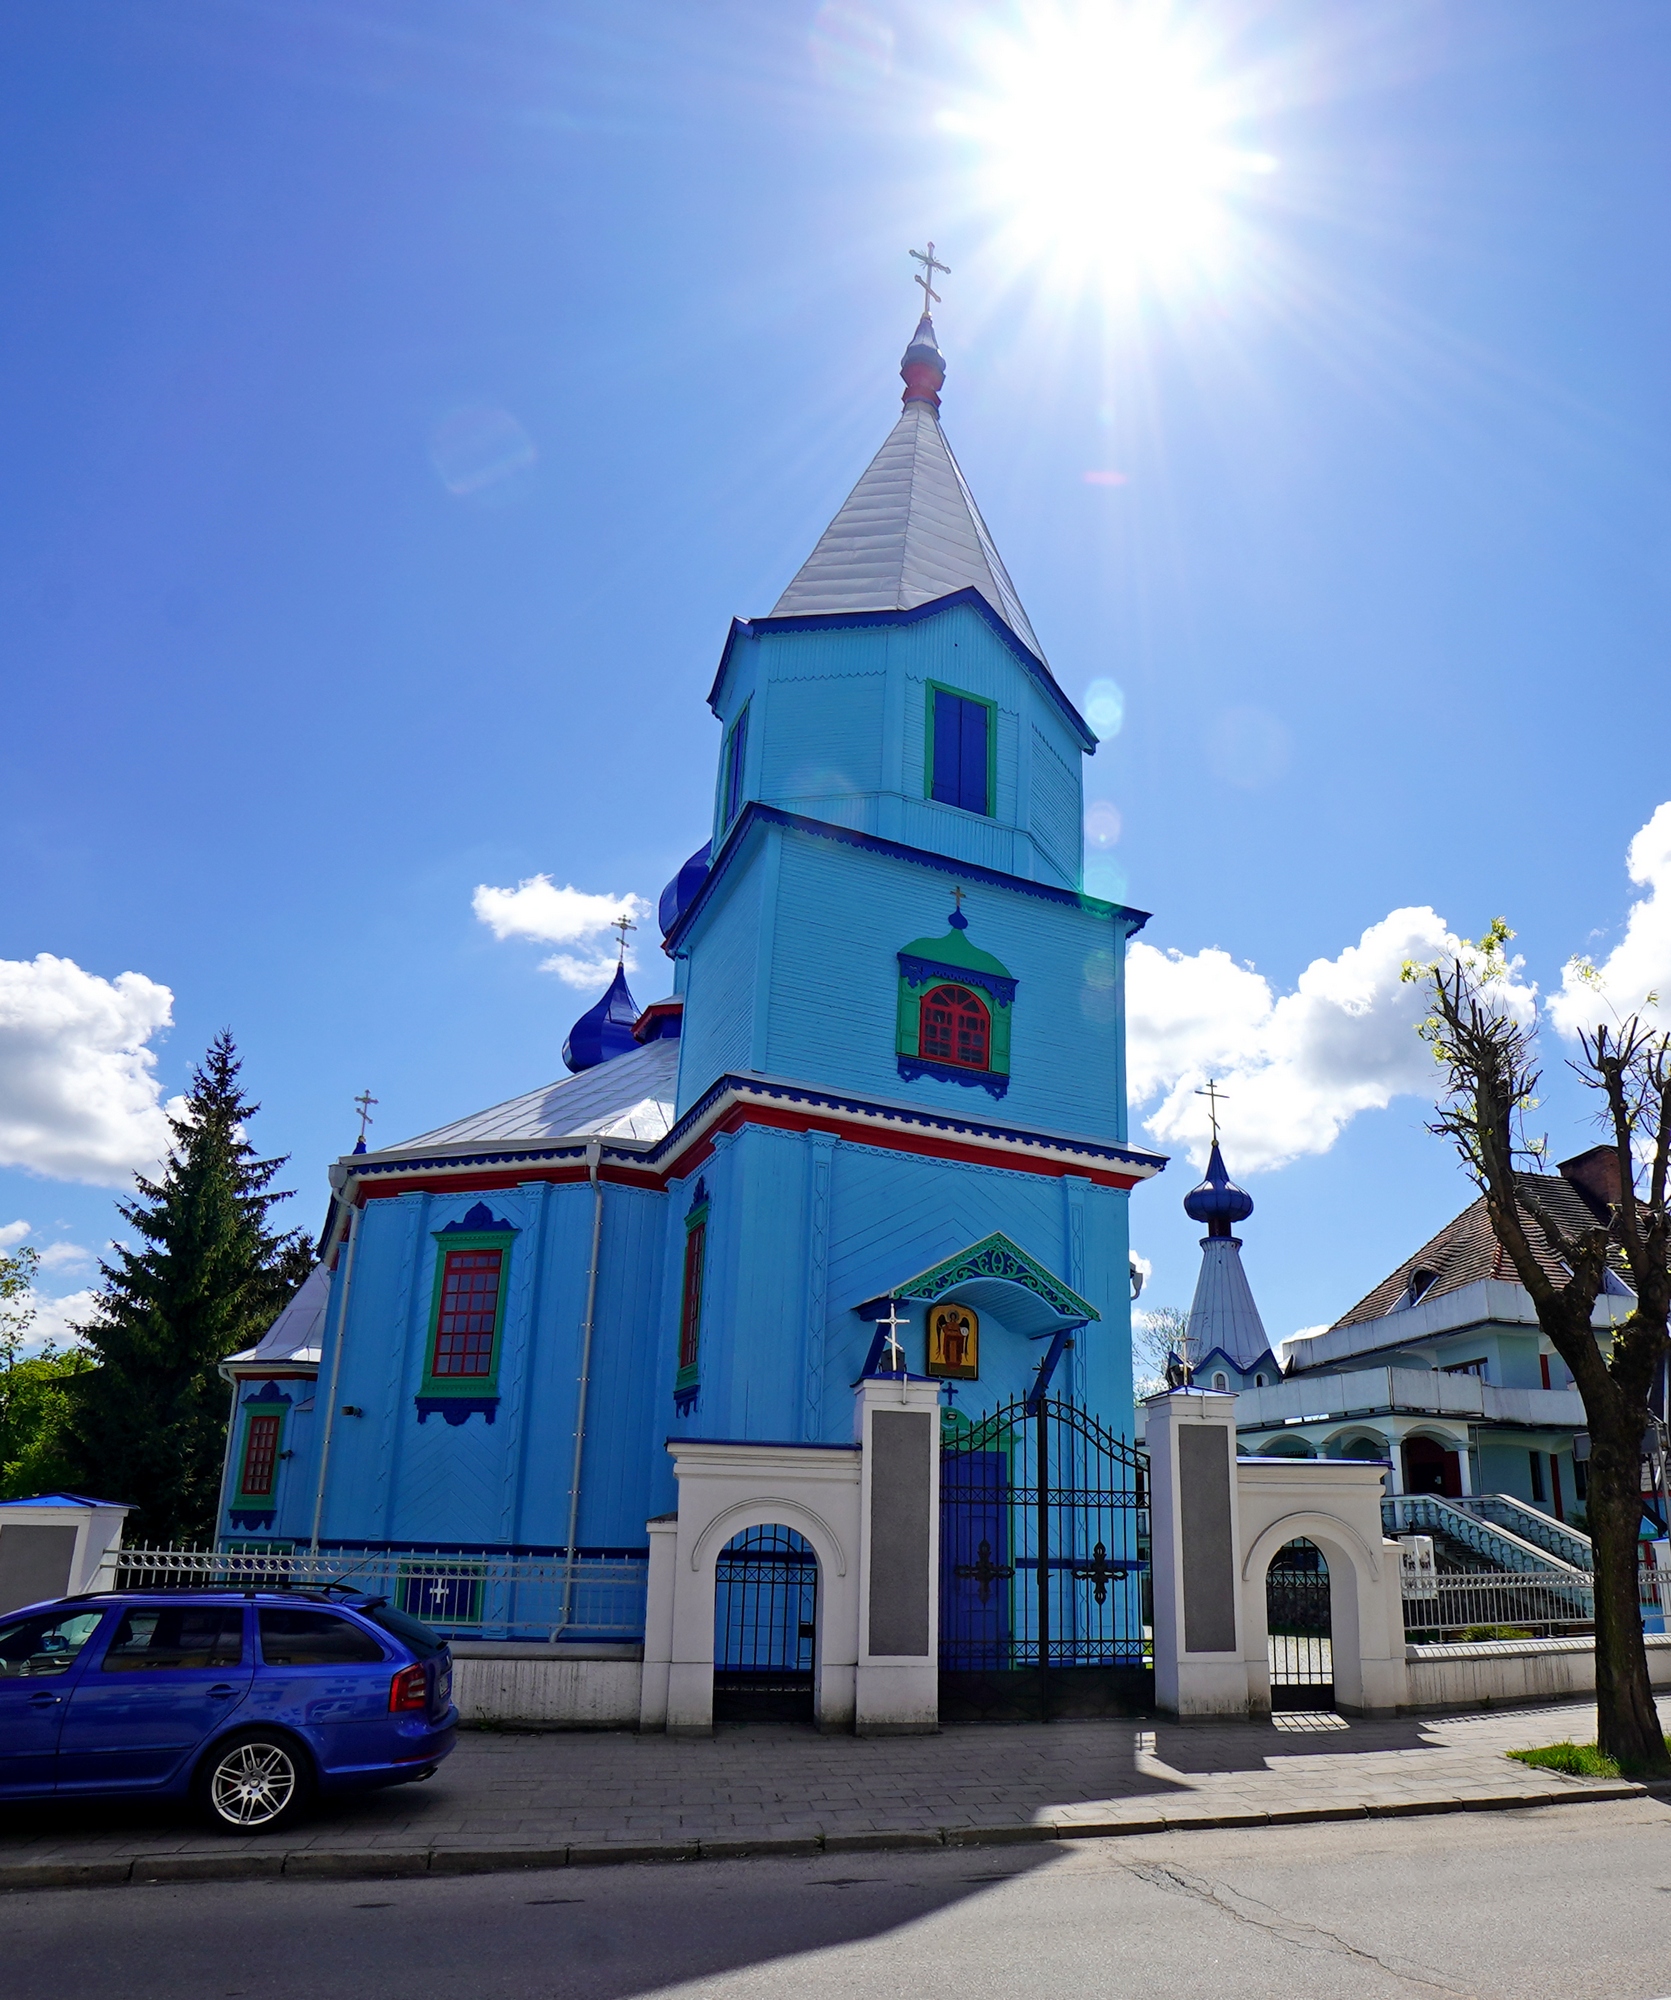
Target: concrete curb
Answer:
pixel 371 1864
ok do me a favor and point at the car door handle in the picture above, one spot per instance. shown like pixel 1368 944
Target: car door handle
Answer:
pixel 220 1690
pixel 45 1700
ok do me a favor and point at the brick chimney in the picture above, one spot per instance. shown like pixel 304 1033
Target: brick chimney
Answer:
pixel 1595 1174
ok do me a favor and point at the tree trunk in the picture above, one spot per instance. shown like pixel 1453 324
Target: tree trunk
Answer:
pixel 1627 1723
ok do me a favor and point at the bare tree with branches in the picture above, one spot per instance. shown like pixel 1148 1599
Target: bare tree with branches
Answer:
pixel 1491 1080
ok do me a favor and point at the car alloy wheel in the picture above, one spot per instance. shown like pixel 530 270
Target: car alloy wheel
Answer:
pixel 252 1784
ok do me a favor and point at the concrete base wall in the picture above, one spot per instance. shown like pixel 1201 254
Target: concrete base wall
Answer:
pixel 548 1687
pixel 1502 1672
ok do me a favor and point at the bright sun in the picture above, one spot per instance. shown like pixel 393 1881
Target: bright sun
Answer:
pixel 1105 140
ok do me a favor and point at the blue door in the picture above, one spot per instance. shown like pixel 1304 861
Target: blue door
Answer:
pixel 171 1675
pixel 41 1658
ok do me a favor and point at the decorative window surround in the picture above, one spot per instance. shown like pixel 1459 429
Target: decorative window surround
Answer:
pixel 453 1396
pixel 265 1409
pixel 927 963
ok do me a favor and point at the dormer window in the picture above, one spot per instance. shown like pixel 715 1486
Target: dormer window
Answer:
pixel 1420 1283
pixel 1221 1381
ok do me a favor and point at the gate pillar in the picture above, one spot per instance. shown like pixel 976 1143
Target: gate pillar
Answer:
pixel 1196 1544
pixel 897 1427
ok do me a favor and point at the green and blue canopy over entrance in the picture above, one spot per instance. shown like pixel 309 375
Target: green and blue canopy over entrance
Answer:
pixel 994 1275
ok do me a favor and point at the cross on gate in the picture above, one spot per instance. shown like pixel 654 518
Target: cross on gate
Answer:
pixel 984 1571
pixel 1099 1573
pixel 925 277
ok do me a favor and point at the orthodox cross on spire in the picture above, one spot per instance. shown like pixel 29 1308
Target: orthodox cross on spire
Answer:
pixel 1214 1097
pixel 363 1104
pixel 623 924
pixel 925 277
pixel 957 897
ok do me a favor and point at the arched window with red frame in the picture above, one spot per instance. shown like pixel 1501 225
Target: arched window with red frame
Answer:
pixel 955 1027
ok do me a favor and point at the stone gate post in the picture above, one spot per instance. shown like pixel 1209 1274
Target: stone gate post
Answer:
pixel 1196 1537
pixel 897 1426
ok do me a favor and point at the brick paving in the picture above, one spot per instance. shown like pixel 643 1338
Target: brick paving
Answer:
pixel 549 1799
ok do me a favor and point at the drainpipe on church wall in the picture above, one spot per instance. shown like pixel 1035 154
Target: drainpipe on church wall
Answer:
pixel 594 1157
pixel 336 1367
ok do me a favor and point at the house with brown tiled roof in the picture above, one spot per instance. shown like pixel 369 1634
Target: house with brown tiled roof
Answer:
pixel 1442 1369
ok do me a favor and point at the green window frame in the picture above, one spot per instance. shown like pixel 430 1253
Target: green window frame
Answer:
pixel 263 1428
pixel 930 690
pixel 451 1243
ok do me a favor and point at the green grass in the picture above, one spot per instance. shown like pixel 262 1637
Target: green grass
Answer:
pixel 1474 1633
pixel 1584 1760
pixel 1577 1760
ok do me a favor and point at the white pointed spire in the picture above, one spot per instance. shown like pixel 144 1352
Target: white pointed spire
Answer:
pixel 910 530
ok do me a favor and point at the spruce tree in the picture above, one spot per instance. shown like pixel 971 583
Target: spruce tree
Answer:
pixel 208 1278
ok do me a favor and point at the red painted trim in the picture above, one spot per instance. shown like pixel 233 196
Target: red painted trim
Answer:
pixel 775 1118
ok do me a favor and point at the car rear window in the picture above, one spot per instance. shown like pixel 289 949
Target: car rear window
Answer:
pixel 152 1637
pixel 424 1640
pixel 314 1639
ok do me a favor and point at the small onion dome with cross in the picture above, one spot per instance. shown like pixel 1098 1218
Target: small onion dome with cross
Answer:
pixel 1218 1202
pixel 604 1031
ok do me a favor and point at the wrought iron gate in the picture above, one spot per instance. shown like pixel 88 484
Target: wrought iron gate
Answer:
pixel 765 1599
pixel 1044 1546
pixel 1297 1617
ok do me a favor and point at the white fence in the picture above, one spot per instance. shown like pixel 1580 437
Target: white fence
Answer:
pixel 1542 1605
pixel 463 1596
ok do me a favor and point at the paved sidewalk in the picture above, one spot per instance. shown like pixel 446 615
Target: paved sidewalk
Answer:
pixel 508 1800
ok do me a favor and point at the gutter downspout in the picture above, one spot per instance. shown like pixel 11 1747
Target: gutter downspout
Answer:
pixel 594 1158
pixel 331 1404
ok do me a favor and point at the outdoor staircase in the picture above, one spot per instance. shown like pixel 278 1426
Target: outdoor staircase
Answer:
pixel 1475 1534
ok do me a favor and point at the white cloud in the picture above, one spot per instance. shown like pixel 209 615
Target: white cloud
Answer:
pixel 538 909
pixel 58 1320
pixel 1296 1069
pixel 11 1235
pixel 78 1093
pixel 59 1256
pixel 1640 963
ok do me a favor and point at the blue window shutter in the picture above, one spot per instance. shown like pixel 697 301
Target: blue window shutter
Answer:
pixel 974 722
pixel 947 760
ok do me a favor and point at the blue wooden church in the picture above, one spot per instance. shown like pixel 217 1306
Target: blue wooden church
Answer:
pixel 880 1121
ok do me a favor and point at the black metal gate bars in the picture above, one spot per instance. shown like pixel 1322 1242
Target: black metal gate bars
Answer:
pixel 1301 1650
pixel 1043 1565
pixel 765 1599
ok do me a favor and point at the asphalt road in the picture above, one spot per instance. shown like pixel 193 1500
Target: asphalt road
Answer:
pixel 1557 1902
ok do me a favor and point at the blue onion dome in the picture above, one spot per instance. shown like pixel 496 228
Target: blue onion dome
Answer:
pixel 680 893
pixel 1218 1202
pixel 604 1031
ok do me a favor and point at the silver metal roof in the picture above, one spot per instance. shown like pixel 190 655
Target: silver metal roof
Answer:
pixel 907 533
pixel 297 1333
pixel 631 1097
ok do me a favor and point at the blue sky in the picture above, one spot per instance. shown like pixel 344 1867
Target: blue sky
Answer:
pixel 399 399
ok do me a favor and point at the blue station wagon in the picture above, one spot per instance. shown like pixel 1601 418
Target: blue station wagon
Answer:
pixel 249 1702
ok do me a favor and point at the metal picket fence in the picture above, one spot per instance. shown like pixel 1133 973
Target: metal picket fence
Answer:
pixel 1498 1604
pixel 464 1596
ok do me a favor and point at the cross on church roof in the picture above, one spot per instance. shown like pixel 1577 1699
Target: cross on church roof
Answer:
pixel 364 1102
pixel 1213 1095
pixel 925 277
pixel 623 924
